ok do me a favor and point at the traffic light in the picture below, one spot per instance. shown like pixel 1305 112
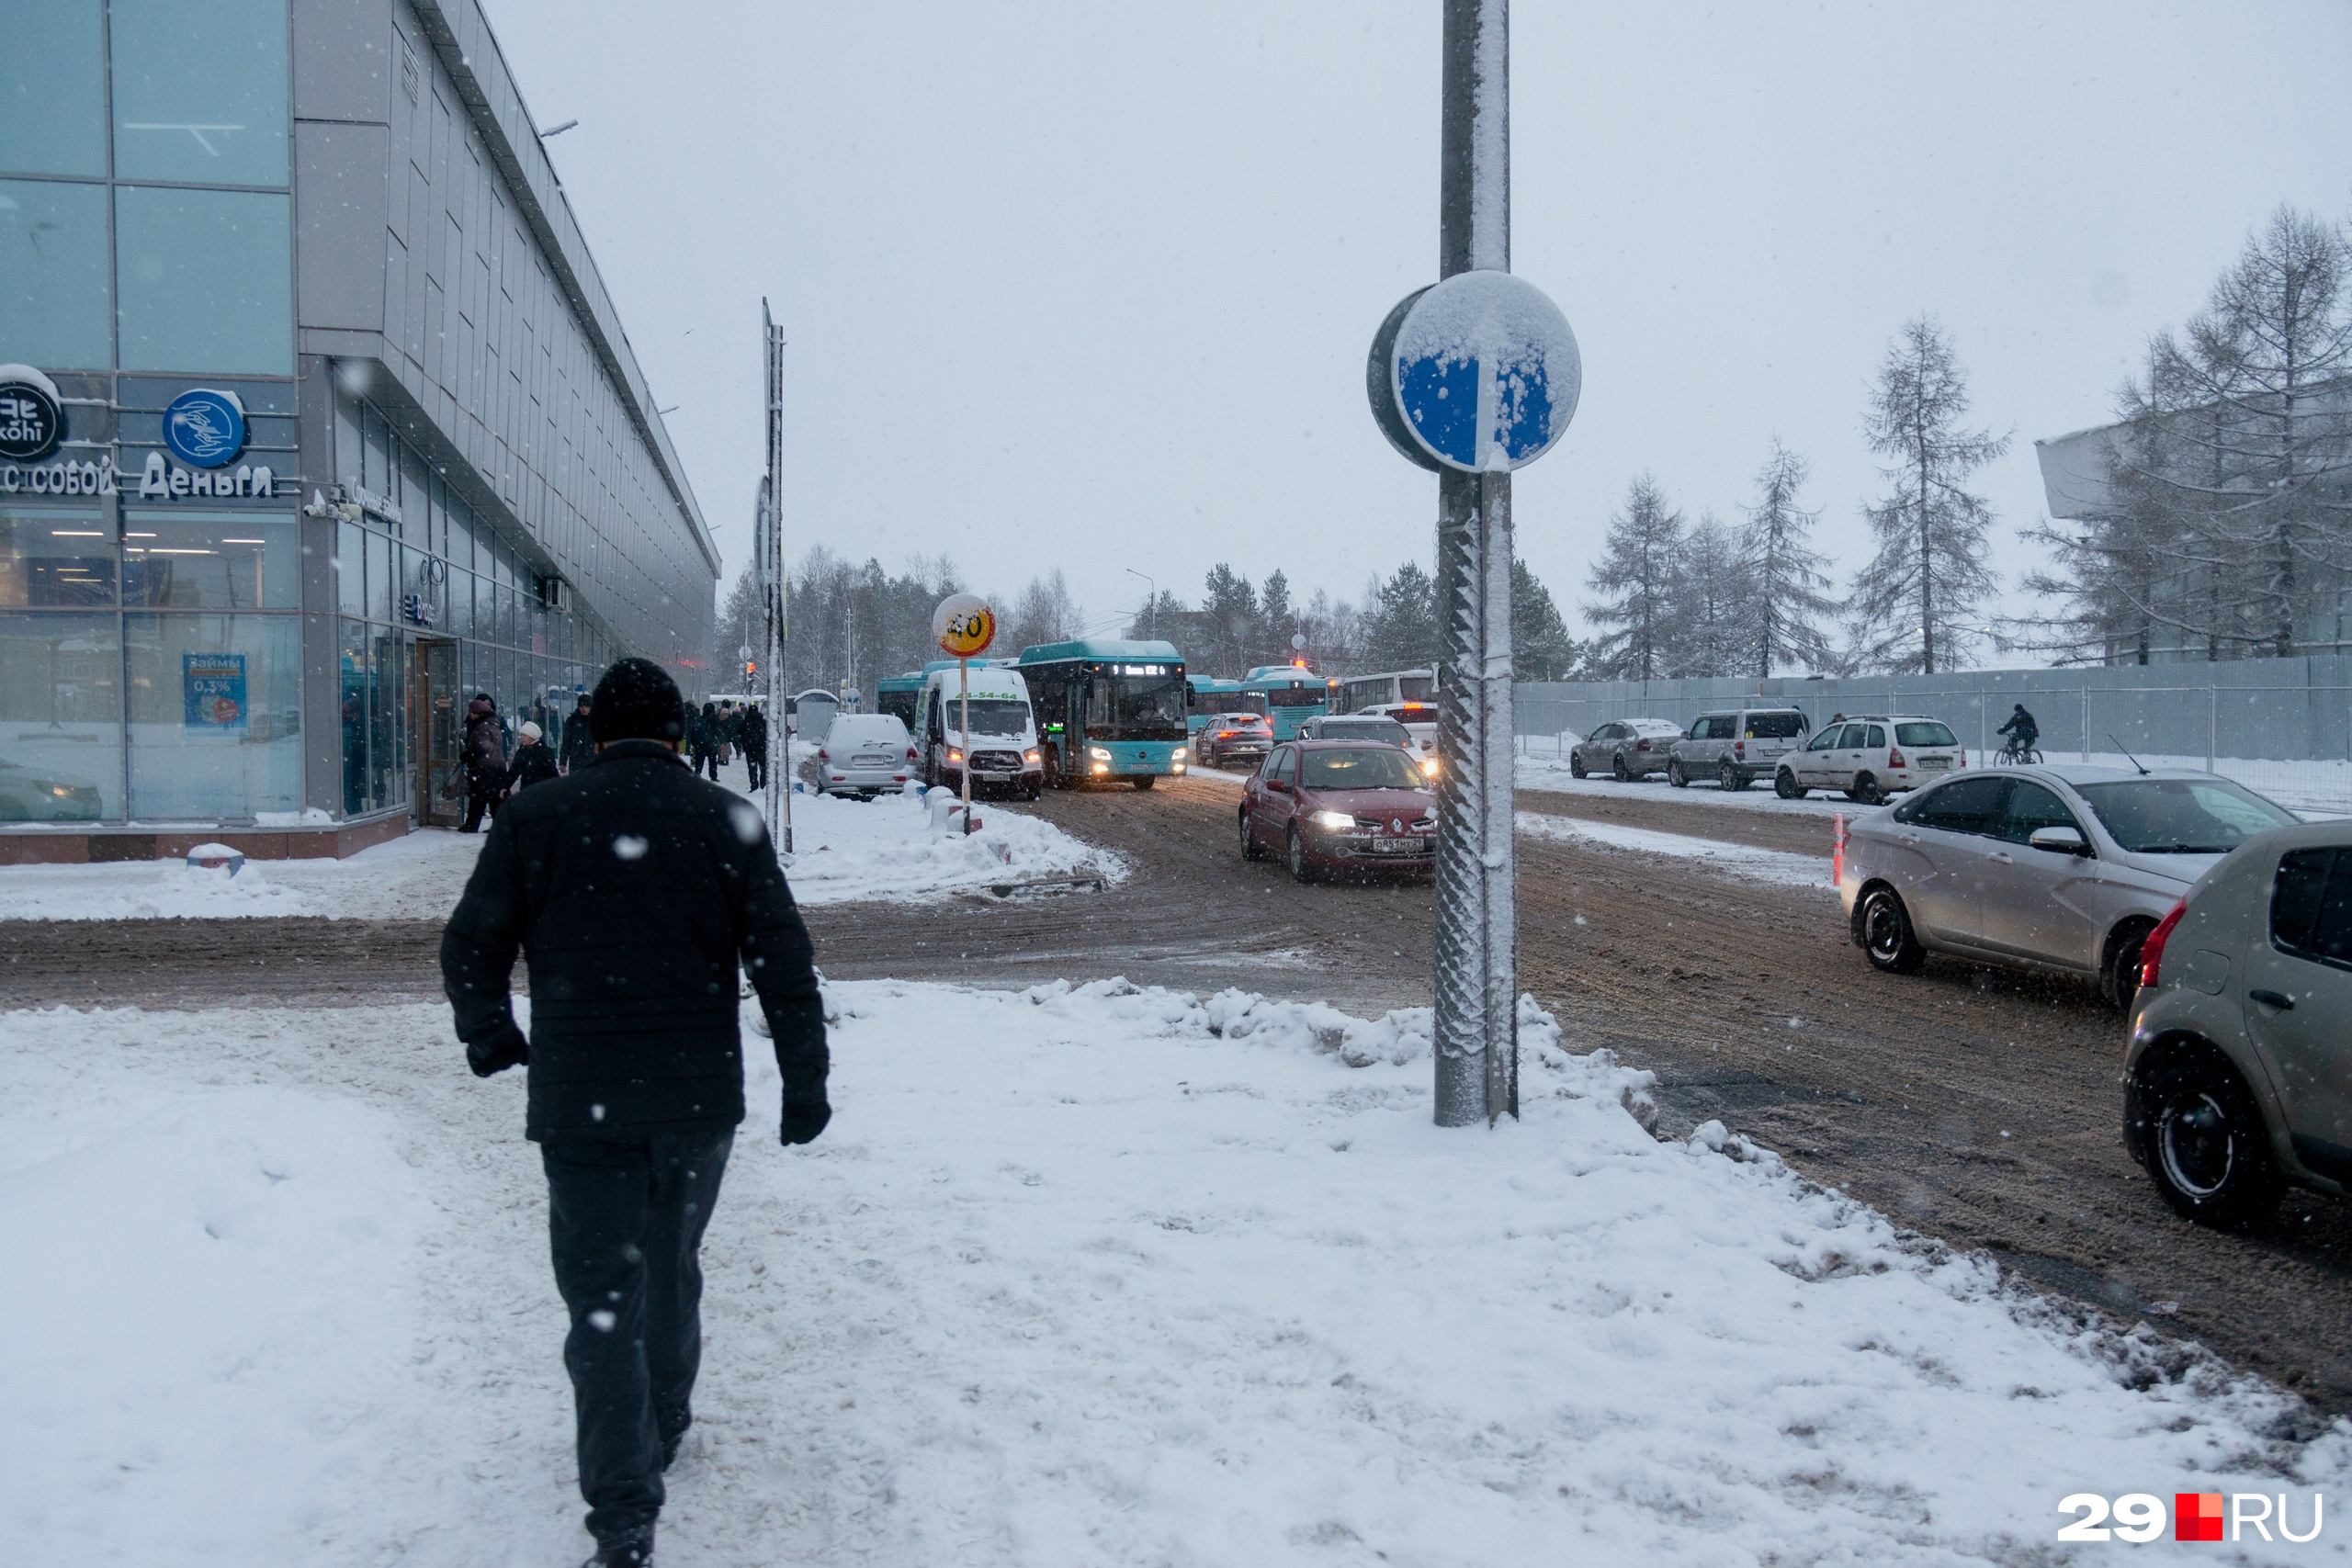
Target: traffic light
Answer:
pixel 751 668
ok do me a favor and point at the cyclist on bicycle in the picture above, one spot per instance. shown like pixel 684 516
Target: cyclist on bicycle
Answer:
pixel 2022 732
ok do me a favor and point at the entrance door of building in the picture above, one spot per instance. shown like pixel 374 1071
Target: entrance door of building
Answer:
pixel 432 708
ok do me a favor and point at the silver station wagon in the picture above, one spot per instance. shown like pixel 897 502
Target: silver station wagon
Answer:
pixel 2056 868
pixel 1870 757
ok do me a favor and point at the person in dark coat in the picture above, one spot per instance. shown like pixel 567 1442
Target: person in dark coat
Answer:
pixel 634 889
pixel 485 759
pixel 533 763
pixel 705 740
pixel 755 745
pixel 579 737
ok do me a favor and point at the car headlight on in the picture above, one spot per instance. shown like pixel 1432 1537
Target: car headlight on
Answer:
pixel 63 792
pixel 1333 821
pixel 1033 756
pixel 1098 754
pixel 1429 767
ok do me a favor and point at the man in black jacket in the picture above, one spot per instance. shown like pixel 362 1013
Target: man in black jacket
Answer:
pixel 634 888
pixel 579 742
pixel 755 746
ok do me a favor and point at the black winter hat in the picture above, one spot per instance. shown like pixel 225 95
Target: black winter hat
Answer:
pixel 637 700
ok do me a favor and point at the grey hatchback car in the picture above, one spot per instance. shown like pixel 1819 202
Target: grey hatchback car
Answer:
pixel 2065 869
pixel 1624 748
pixel 2238 1079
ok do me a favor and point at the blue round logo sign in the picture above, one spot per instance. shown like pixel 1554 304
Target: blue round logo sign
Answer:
pixel 1479 373
pixel 205 427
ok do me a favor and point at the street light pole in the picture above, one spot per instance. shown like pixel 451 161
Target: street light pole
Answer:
pixel 1477 956
pixel 1151 612
pixel 770 555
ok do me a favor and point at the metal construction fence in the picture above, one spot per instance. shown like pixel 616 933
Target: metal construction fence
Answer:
pixel 2282 727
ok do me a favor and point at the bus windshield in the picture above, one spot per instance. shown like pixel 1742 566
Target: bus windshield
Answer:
pixel 1135 707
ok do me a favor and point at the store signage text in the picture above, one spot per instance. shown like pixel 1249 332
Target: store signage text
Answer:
pixel 58 478
pixel 165 481
pixel 30 421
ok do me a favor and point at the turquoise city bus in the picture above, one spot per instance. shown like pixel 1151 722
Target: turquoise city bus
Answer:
pixel 899 694
pixel 1207 696
pixel 1108 710
pixel 1292 692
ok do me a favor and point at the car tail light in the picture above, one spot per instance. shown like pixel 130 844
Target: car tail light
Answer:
pixel 1643 747
pixel 1894 757
pixel 2151 951
pixel 1739 748
pixel 823 755
pixel 910 754
pixel 1963 760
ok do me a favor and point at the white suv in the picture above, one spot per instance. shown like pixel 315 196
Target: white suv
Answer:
pixel 1870 757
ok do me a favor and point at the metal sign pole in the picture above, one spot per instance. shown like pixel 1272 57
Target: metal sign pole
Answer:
pixel 779 781
pixel 1477 960
pixel 964 678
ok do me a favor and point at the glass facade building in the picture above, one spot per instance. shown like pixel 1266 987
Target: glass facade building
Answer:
pixel 346 429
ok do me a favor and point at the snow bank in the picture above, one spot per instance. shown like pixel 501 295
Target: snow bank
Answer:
pixel 886 848
pixel 1776 867
pixel 848 850
pixel 1091 1274
pixel 413 878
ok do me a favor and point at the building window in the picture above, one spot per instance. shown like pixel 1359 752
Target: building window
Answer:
pixel 209 560
pixel 216 714
pixel 52 87
pixel 199 91
pixel 55 560
pixel 61 717
pixel 53 306
pixel 205 281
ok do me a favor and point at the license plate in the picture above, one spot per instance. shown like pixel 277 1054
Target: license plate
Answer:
pixel 869 762
pixel 1398 846
pixel 1935 761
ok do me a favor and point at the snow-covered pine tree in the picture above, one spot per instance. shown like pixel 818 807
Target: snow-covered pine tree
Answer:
pixel 1541 647
pixel 1786 607
pixel 1916 603
pixel 1633 586
pixel 1709 598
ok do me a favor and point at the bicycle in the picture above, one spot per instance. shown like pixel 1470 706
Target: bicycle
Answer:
pixel 2016 755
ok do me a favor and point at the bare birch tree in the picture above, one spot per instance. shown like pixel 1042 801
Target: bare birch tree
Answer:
pixel 1787 607
pixel 1916 604
pixel 1633 584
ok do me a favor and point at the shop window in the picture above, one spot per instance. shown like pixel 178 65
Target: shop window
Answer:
pixel 204 281
pixel 209 560
pixel 380 577
pixel 357 682
pixel 199 91
pixel 52 87
pixel 53 561
pixel 61 718
pixel 54 311
pixel 350 570
pixel 215 715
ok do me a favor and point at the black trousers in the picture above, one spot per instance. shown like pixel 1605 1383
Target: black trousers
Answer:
pixel 625 1222
pixel 755 764
pixel 705 758
pixel 477 802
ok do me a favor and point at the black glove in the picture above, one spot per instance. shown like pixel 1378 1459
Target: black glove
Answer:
pixel 804 1118
pixel 498 1052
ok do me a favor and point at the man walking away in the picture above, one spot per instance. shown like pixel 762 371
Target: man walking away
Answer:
pixel 706 741
pixel 485 759
pixel 533 763
pixel 634 889
pixel 579 738
pixel 755 746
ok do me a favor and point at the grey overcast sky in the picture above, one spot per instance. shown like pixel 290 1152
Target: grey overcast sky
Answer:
pixel 1090 286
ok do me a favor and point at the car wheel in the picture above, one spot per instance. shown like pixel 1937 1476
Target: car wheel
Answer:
pixel 1676 776
pixel 1887 936
pixel 1785 785
pixel 1731 778
pixel 1296 855
pixel 1866 790
pixel 1144 781
pixel 2205 1145
pixel 2119 979
pixel 1249 849
pixel 1576 765
pixel 1618 771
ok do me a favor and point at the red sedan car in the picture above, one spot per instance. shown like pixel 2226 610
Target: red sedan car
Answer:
pixel 1340 805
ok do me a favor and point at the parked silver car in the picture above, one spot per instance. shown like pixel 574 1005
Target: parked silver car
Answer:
pixel 2058 868
pixel 1736 747
pixel 1872 757
pixel 1624 748
pixel 2238 1079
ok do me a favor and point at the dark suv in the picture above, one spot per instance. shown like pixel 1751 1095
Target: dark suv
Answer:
pixel 1233 738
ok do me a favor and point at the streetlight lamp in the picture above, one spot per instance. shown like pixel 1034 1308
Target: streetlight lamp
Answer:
pixel 1152 613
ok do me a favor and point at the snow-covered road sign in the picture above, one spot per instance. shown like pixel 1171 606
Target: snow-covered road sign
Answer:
pixel 1479 373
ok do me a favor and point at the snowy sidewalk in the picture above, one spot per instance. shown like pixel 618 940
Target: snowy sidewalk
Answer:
pixel 1094 1276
